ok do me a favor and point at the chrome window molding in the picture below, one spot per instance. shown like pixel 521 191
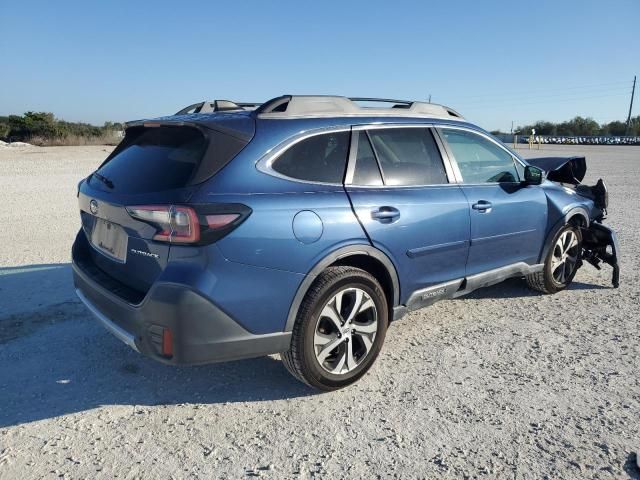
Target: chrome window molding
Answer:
pixel 353 152
pixel 265 163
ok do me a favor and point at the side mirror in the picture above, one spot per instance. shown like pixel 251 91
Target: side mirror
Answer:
pixel 533 175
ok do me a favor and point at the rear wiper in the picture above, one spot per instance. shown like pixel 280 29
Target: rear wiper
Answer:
pixel 104 180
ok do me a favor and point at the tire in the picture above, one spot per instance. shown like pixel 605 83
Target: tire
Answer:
pixel 329 351
pixel 559 268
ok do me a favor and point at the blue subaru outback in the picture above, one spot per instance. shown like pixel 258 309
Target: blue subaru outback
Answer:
pixel 305 225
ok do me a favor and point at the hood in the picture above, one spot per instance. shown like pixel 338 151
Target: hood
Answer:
pixel 562 169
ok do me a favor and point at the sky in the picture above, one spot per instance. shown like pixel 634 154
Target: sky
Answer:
pixel 496 62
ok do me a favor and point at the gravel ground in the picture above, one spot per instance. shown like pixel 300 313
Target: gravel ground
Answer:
pixel 504 383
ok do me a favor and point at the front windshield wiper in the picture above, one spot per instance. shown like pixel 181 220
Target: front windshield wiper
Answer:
pixel 104 180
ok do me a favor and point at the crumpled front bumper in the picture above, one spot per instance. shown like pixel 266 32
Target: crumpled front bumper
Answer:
pixel 600 244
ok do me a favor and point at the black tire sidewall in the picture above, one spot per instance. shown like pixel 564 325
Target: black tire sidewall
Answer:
pixel 318 374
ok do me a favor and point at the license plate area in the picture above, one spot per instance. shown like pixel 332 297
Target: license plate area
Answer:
pixel 110 240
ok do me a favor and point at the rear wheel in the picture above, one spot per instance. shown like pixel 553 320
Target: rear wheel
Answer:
pixel 561 264
pixel 339 330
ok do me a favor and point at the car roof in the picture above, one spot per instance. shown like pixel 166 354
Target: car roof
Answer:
pixel 308 111
pixel 316 106
pixel 322 106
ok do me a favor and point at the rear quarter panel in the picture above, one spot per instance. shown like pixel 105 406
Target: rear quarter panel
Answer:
pixel 267 238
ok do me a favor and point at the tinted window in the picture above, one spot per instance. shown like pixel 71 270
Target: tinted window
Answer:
pixel 321 158
pixel 408 156
pixel 479 160
pixel 367 171
pixel 153 159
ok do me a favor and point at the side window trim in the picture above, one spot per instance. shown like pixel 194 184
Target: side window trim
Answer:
pixel 439 129
pixel 450 171
pixel 265 163
pixel 451 167
pixel 377 157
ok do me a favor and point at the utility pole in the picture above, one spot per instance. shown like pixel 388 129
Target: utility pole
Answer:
pixel 429 98
pixel 633 91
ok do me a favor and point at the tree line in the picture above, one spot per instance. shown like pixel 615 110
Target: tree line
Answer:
pixel 582 127
pixel 42 128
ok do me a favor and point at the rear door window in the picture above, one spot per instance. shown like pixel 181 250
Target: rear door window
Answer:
pixel 479 159
pixel 152 159
pixel 320 158
pixel 366 171
pixel 408 156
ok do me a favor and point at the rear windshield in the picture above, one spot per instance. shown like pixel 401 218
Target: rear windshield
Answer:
pixel 152 160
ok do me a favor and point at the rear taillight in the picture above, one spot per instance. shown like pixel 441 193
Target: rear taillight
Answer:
pixel 174 224
pixel 194 224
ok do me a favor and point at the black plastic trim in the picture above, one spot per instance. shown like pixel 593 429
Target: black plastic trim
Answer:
pixel 341 253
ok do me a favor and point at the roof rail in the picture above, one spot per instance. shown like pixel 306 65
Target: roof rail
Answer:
pixel 216 106
pixel 294 106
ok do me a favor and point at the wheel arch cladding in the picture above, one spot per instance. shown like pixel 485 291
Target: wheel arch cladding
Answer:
pixel 365 257
pixel 577 216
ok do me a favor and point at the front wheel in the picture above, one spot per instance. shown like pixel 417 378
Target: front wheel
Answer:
pixel 562 262
pixel 339 330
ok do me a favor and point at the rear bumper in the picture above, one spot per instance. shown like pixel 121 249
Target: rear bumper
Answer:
pixel 107 323
pixel 202 332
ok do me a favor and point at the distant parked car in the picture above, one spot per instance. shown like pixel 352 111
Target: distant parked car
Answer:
pixel 305 225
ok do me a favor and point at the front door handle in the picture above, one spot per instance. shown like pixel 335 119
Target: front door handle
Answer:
pixel 482 206
pixel 386 214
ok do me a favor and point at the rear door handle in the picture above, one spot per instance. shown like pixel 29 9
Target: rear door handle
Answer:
pixel 482 206
pixel 386 214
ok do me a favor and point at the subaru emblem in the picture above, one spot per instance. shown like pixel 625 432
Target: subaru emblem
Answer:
pixel 93 206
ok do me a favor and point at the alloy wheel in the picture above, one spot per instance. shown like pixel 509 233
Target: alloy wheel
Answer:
pixel 565 257
pixel 345 331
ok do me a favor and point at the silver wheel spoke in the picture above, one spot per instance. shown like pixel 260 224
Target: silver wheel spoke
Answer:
pixel 351 362
pixel 321 339
pixel 330 347
pixel 356 305
pixel 566 239
pixel 330 313
pixel 368 328
pixel 367 304
pixel 340 365
pixel 368 343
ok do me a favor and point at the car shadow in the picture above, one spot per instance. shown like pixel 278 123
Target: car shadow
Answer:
pixel 631 466
pixel 58 360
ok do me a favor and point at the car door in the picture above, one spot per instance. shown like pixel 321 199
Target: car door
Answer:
pixel 508 218
pixel 404 195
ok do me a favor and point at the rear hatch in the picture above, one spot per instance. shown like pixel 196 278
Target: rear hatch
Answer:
pixel 150 175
